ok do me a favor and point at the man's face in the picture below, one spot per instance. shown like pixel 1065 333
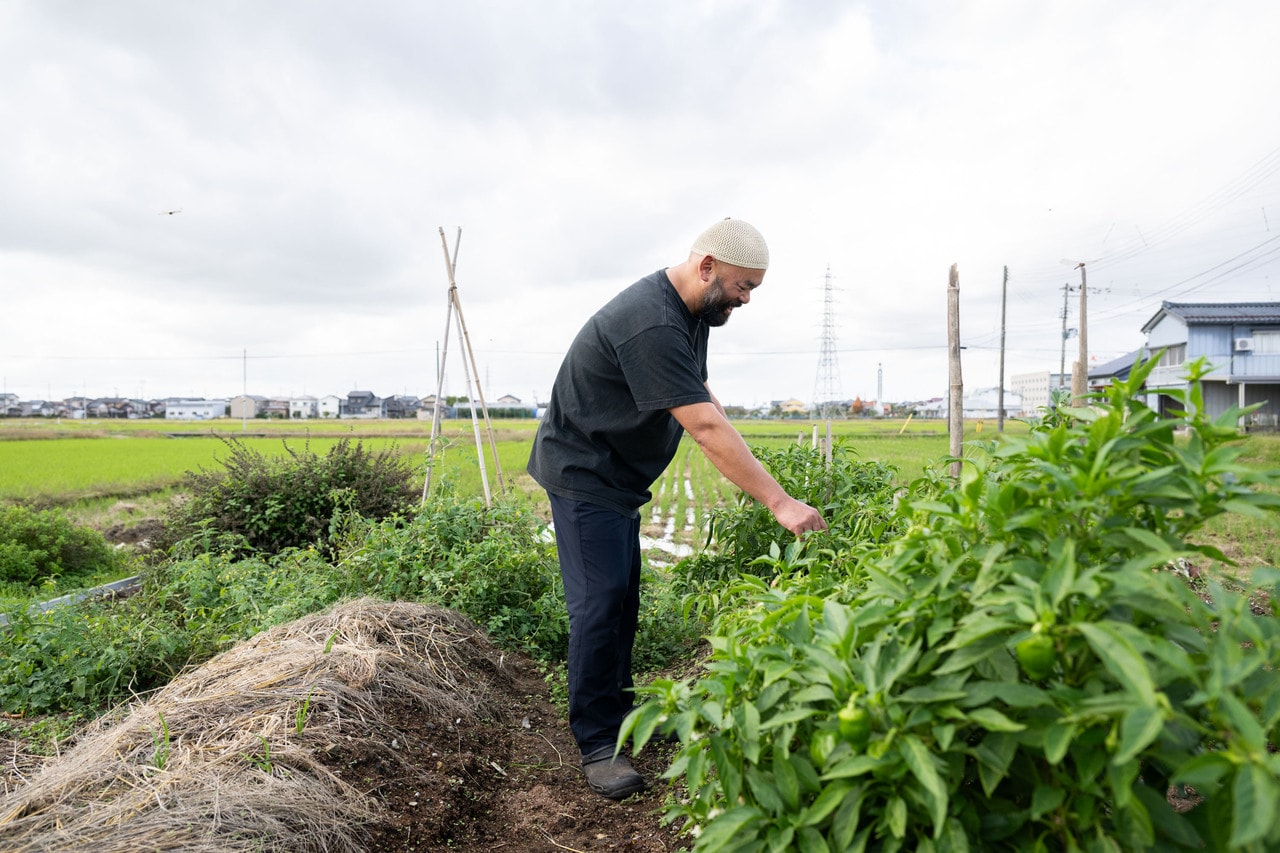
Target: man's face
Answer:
pixel 731 288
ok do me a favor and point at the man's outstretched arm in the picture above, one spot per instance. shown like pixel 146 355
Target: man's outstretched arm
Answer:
pixel 724 446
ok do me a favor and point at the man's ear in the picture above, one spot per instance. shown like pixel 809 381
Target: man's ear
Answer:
pixel 707 268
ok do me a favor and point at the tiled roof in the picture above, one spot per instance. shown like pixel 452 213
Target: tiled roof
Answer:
pixel 1116 367
pixel 1217 313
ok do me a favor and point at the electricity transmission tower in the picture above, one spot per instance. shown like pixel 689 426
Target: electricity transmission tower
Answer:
pixel 826 387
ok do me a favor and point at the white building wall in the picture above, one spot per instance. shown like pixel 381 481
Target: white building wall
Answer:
pixel 1033 388
pixel 329 407
pixel 304 407
pixel 195 410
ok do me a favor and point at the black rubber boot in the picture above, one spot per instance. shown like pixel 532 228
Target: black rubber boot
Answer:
pixel 611 777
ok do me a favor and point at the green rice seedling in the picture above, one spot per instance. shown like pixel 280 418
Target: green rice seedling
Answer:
pixel 301 712
pixel 160 742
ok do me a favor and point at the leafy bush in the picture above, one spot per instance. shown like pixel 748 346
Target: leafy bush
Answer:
pixel 85 656
pixel 855 498
pixel 41 546
pixel 1019 671
pixel 498 566
pixel 265 504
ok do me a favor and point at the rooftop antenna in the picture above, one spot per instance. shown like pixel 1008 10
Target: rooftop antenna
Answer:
pixel 470 371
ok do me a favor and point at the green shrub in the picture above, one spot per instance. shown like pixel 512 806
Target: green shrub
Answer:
pixel 84 657
pixel 497 565
pixel 493 564
pixel 1018 671
pixel 855 498
pixel 265 504
pixel 37 547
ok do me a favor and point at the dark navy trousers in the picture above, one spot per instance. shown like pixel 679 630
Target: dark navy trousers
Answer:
pixel 600 563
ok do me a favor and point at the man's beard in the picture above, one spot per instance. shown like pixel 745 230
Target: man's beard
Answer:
pixel 716 307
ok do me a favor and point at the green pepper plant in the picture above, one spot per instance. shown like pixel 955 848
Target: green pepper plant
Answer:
pixel 1017 670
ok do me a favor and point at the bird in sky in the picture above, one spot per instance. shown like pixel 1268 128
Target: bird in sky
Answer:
pixel 169 212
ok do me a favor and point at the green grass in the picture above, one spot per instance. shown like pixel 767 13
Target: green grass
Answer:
pixel 93 465
pixel 56 470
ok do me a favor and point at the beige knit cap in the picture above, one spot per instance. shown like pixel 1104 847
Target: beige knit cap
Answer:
pixel 735 242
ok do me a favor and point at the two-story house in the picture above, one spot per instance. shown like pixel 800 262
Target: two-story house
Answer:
pixel 330 406
pixel 363 404
pixel 304 407
pixel 247 406
pixel 1241 342
pixel 401 406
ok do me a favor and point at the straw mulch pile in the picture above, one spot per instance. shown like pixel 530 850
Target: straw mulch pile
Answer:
pixel 244 753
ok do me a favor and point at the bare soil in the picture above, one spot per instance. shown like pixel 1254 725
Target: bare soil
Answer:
pixel 501 784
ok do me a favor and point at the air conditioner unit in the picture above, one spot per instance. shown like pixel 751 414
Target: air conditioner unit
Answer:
pixel 1244 344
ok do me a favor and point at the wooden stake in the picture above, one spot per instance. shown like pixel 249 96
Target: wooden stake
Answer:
pixel 1004 300
pixel 470 371
pixel 955 407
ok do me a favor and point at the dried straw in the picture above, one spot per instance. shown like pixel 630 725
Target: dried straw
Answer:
pixel 214 761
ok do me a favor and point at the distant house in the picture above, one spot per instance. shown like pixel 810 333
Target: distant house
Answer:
pixel 363 404
pixel 1241 342
pixel 402 406
pixel 276 407
pixel 791 408
pixel 38 409
pixel 75 407
pixel 301 408
pixel 506 406
pixel 1112 371
pixel 985 403
pixel 194 410
pixel 117 407
pixel 247 406
pixel 329 406
pixel 427 408
pixel 934 407
pixel 978 404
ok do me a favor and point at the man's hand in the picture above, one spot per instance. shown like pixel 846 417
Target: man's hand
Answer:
pixel 724 446
pixel 799 517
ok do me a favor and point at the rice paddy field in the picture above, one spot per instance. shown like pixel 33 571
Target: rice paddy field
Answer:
pixel 65 461
pixel 89 467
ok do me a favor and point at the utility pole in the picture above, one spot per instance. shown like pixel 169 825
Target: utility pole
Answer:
pixel 1062 357
pixel 1004 299
pixel 1080 376
pixel 880 385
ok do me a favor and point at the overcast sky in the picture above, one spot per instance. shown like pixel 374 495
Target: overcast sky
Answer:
pixel 313 150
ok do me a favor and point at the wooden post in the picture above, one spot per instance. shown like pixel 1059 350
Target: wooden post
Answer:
pixel 1080 375
pixel 955 408
pixel 1004 299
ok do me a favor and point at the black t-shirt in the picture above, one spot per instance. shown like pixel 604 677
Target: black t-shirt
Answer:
pixel 607 434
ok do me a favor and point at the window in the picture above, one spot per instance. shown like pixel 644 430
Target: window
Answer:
pixel 1267 342
pixel 1173 356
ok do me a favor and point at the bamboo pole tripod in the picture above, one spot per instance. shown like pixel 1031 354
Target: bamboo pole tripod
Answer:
pixel 472 373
